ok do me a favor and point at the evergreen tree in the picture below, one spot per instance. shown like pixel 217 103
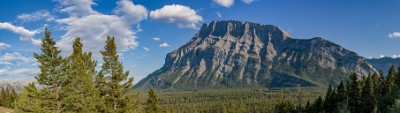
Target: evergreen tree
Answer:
pixel 354 94
pixel 341 92
pixel 111 77
pixel 30 101
pixel 368 97
pixel 80 92
pixel 376 85
pixel 330 100
pixel 51 74
pixel 3 97
pixel 317 106
pixel 390 79
pixel 152 103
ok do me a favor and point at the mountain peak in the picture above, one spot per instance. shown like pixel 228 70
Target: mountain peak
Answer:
pixel 220 28
pixel 235 53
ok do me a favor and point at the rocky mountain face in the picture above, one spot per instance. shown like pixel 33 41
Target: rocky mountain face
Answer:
pixel 384 63
pixel 242 54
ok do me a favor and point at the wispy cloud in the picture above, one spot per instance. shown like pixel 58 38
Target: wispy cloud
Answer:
pixel 35 16
pixel 184 16
pixel 394 35
pixel 156 38
pixel 4 45
pixel 8 58
pixel 146 49
pixel 248 1
pixel 219 14
pixel 164 45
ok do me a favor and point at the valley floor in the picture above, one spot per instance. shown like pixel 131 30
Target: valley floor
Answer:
pixel 244 99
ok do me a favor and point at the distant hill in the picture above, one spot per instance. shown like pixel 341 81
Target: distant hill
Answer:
pixel 384 63
pixel 246 54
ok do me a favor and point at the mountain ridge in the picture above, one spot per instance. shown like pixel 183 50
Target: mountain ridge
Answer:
pixel 235 53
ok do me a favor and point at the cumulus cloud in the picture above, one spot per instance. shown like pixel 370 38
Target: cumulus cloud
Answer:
pixel 156 38
pixel 81 23
pixel 184 16
pixel 4 46
pixel 8 58
pixel 146 49
pixel 248 1
pixel 164 45
pixel 23 71
pixel 224 3
pixel 25 35
pixel 130 12
pixel 35 16
pixel 394 35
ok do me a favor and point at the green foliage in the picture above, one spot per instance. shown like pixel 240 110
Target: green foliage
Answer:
pixel 114 81
pixel 79 90
pixel 395 108
pixel 283 105
pixel 152 103
pixel 7 97
pixel 69 84
pixel 354 95
pixel 368 97
pixel 30 101
pixel 51 74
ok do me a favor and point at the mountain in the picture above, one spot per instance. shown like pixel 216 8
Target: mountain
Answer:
pixel 384 63
pixel 17 84
pixel 245 54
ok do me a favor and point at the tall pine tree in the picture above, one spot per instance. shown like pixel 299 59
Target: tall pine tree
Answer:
pixel 354 94
pixel 368 97
pixel 51 74
pixel 80 92
pixel 152 103
pixel 116 82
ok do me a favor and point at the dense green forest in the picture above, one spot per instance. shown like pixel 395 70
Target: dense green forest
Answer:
pixel 72 84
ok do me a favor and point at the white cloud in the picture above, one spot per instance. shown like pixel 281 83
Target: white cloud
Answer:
pixel 4 46
pixel 394 35
pixel 25 35
pixel 225 3
pixel 23 71
pixel 93 27
pixel 395 56
pixel 7 58
pixel 219 14
pixel 130 12
pixel 184 16
pixel 35 16
pixel 248 1
pixel 146 49
pixel 164 45
pixel 156 38
pixel 77 8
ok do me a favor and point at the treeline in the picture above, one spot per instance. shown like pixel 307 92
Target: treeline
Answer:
pixel 367 94
pixel 7 96
pixel 72 84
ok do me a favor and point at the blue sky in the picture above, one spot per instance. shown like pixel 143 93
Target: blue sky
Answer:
pixel 146 30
